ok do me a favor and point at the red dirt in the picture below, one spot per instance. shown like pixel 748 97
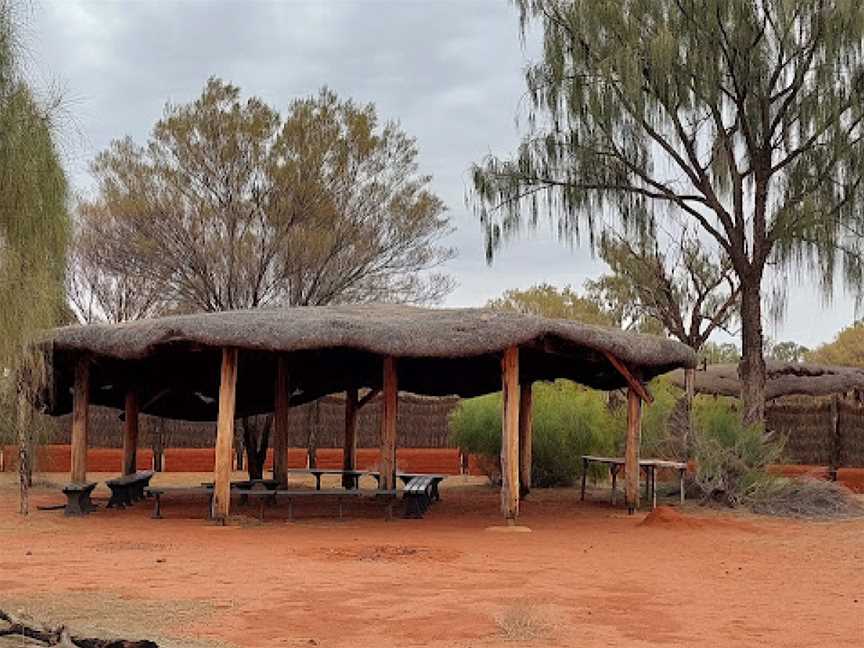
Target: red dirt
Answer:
pixel 588 575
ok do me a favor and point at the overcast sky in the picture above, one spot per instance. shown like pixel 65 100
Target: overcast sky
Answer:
pixel 449 70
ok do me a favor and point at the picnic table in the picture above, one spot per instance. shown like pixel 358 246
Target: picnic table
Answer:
pixel 406 477
pixel 246 485
pixel 650 467
pixel 353 475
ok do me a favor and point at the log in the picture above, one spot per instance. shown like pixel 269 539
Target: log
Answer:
pixel 280 422
pixel 526 434
pixel 631 450
pixel 349 449
pixel 390 389
pixel 510 435
pixel 41 635
pixel 130 433
pixel 225 435
pixel 80 420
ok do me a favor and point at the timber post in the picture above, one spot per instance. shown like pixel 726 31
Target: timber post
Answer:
pixel 526 433
pixel 80 420
pixel 631 450
pixel 510 434
pixel 225 435
pixel 280 422
pixel 349 449
pixel 130 433
pixel 390 400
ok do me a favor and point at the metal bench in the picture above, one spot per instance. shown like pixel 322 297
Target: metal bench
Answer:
pixel 436 479
pixel 128 489
pixel 417 496
pixel 78 499
pixel 157 494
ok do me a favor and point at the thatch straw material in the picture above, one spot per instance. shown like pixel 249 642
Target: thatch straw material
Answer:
pixel 784 379
pixel 175 360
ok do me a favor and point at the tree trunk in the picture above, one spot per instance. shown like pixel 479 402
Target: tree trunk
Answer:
pixel 752 366
pixel 689 394
pixel 25 453
pixel 256 438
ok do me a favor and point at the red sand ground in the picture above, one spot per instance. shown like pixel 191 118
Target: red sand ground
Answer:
pixel 588 575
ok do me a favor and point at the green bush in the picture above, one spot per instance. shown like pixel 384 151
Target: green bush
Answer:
pixel 731 458
pixel 569 421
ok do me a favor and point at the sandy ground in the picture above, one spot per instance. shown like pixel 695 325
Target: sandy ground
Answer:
pixel 586 575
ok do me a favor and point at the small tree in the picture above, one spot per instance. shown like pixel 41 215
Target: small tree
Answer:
pixel 546 300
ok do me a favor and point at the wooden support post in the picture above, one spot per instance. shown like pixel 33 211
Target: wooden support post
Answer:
pixel 80 420
pixel 130 433
pixel 225 435
pixel 834 459
pixel 510 435
pixel 631 450
pixel 349 449
pixel 280 422
pixel 387 463
pixel 526 433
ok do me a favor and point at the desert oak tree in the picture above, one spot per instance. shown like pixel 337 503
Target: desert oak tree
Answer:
pixel 740 117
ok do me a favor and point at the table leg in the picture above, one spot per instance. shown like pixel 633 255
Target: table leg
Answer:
pixel 317 481
pixel 614 470
pixel 157 509
pixel 290 510
pixel 584 476
pixel 339 505
pixel 681 486
pixel 653 488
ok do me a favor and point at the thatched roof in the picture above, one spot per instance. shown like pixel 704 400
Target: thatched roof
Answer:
pixel 784 379
pixel 330 348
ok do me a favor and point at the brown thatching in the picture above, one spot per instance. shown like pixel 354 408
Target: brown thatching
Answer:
pixel 175 360
pixel 784 379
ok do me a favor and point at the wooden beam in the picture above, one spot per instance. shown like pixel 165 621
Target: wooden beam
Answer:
pixel 631 450
pixel 225 435
pixel 349 449
pixel 130 432
pixel 80 420
pixel 510 434
pixel 281 397
pixel 387 462
pixel 632 381
pixel 368 397
pixel 526 434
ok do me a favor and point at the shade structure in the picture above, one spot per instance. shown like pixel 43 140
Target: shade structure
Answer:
pixel 783 379
pixel 175 361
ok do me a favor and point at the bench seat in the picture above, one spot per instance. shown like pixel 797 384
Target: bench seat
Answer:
pixel 78 499
pixel 128 489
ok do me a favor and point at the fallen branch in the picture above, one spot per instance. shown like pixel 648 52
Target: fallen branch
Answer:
pixel 60 636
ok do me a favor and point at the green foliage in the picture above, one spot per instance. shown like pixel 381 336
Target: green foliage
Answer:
pixel 657 439
pixel 788 352
pixel 548 301
pixel 846 349
pixel 34 222
pixel 731 457
pixel 714 353
pixel 569 421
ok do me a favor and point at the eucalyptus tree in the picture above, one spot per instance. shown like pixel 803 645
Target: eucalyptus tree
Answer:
pixel 740 117
pixel 33 235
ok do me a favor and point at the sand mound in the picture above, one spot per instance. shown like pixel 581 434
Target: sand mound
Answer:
pixel 666 516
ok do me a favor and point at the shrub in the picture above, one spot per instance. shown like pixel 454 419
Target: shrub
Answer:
pixel 569 421
pixel 731 458
pixel 804 498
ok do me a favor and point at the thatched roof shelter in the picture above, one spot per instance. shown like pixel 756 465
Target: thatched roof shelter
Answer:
pixel 784 379
pixel 220 366
pixel 175 360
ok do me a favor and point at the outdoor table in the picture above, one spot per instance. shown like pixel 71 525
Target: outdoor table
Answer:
pixel 650 467
pixel 247 485
pixel 355 475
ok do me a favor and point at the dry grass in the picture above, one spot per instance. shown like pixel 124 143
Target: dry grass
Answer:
pixel 804 497
pixel 522 622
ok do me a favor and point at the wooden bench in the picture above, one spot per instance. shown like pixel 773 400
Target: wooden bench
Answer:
pixel 157 494
pixel 352 476
pixel 78 499
pixel 338 494
pixel 417 496
pixel 128 489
